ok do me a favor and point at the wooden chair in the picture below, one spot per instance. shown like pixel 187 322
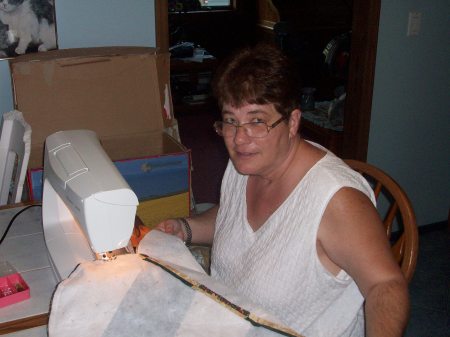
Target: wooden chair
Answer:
pixel 405 243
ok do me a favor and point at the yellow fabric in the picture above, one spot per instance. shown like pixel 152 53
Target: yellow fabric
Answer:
pixel 153 211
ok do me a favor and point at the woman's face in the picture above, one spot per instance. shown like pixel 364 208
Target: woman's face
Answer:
pixel 258 156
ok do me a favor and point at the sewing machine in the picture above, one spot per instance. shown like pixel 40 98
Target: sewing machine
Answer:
pixel 88 209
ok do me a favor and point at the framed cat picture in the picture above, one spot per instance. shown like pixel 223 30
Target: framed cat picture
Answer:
pixel 26 26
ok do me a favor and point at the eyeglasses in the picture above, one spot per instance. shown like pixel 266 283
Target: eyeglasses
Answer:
pixel 251 129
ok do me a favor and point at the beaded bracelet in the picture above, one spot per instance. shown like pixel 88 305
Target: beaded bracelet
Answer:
pixel 187 227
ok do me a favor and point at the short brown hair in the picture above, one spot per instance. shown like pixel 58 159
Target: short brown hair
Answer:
pixel 258 75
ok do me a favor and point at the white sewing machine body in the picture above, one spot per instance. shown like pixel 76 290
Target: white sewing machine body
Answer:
pixel 88 209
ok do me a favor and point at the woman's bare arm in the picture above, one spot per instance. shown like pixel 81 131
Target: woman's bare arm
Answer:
pixel 352 237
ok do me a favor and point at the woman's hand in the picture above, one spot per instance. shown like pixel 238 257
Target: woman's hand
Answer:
pixel 201 227
pixel 173 227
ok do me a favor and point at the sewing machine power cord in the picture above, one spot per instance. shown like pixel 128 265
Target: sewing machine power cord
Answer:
pixel 14 218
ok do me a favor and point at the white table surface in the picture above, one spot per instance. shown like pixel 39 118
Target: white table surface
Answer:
pixel 24 248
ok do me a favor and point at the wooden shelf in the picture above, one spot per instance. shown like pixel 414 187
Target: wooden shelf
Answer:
pixel 209 105
pixel 186 79
pixel 185 65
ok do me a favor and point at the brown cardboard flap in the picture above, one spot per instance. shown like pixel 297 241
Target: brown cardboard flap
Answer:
pixel 141 145
pixel 163 62
pixel 114 91
pixel 131 146
pixel 73 53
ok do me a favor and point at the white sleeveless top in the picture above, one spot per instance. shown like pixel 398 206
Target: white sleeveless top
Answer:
pixel 277 266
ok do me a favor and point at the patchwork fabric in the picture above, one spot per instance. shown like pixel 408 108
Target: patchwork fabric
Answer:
pixel 162 291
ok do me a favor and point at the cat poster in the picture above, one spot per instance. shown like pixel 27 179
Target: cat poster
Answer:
pixel 26 26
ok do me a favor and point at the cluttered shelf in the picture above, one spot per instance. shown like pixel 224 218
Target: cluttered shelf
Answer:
pixel 324 125
pixel 192 65
pixel 190 79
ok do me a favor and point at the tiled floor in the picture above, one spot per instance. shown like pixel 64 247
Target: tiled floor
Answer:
pixel 430 286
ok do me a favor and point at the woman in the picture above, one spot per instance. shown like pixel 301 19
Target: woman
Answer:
pixel 296 230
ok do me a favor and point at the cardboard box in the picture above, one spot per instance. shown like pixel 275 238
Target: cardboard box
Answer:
pixel 160 183
pixel 118 92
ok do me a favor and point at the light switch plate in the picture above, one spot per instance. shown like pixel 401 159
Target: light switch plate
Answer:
pixel 414 22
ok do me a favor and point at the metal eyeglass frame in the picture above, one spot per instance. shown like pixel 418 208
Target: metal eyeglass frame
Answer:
pixel 236 126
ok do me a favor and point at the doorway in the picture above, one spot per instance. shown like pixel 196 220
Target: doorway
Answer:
pixel 361 71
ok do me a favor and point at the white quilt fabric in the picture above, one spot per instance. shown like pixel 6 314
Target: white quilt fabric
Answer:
pixel 132 297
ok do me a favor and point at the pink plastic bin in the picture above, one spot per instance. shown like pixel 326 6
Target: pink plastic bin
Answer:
pixel 13 289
